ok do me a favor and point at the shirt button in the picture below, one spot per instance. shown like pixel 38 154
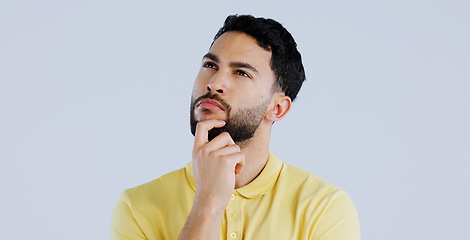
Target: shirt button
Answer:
pixel 233 196
pixel 234 214
pixel 233 235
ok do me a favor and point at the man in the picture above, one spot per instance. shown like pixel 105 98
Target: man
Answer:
pixel 234 188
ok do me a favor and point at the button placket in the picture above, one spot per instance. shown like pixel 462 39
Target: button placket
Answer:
pixel 233 217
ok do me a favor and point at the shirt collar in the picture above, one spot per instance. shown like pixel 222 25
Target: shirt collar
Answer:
pixel 259 186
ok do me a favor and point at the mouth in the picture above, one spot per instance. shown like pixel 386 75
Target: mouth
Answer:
pixel 210 104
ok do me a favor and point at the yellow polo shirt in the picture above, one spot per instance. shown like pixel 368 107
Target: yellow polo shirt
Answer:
pixel 283 202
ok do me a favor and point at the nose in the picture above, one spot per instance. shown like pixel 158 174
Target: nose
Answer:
pixel 217 84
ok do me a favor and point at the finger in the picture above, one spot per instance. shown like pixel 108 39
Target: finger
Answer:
pixel 238 161
pixel 240 166
pixel 202 131
pixel 227 150
pixel 222 140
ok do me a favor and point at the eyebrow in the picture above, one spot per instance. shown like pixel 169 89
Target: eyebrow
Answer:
pixel 211 57
pixel 243 65
pixel 214 58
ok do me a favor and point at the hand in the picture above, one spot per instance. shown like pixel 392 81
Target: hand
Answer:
pixel 215 166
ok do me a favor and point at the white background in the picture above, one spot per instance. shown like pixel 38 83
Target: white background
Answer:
pixel 94 99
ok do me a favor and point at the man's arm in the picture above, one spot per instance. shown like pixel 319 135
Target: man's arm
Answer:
pixel 215 165
pixel 123 223
pixel 339 220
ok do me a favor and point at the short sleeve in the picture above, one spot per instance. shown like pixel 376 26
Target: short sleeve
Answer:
pixel 124 225
pixel 339 220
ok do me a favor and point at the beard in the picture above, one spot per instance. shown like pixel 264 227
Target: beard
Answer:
pixel 241 125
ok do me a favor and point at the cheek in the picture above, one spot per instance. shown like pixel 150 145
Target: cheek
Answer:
pixel 256 97
pixel 199 85
pixel 203 78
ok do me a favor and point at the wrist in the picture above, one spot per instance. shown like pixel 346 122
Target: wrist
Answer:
pixel 208 208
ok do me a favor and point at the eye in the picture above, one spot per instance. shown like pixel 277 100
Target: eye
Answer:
pixel 242 73
pixel 209 65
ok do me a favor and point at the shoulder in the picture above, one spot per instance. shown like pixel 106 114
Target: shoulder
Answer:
pixel 300 177
pixel 144 208
pixel 309 188
pixel 322 203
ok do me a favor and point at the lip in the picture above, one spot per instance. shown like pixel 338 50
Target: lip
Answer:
pixel 210 104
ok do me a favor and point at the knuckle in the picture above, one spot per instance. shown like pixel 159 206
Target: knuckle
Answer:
pixel 237 148
pixel 225 134
pixel 196 153
pixel 217 154
pixel 225 159
pixel 199 126
pixel 204 151
pixel 240 156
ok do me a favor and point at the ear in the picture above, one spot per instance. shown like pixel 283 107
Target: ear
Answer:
pixel 279 107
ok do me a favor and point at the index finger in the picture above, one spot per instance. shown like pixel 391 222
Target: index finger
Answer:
pixel 202 131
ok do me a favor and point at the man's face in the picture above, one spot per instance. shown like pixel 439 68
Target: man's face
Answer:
pixel 234 84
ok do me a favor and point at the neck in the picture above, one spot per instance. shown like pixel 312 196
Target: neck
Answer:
pixel 256 152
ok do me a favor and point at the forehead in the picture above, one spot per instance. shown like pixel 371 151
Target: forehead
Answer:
pixel 240 47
